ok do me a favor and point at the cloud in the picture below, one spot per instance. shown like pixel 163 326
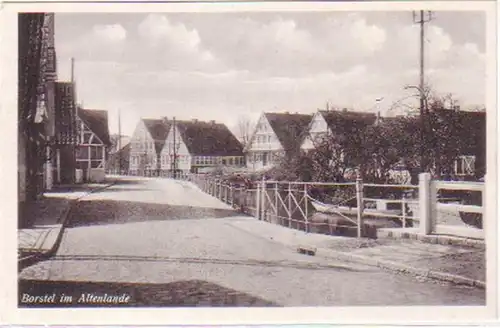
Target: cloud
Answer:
pixel 112 33
pixel 98 43
pixel 175 43
pixel 219 66
pixel 367 38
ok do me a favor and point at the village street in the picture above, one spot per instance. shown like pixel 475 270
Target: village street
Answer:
pixel 143 231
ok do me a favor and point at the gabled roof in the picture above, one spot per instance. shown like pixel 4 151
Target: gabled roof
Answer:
pixel 289 128
pixel 158 129
pixel 97 122
pixel 209 139
pixel 335 117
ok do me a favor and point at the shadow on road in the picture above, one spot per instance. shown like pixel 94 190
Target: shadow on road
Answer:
pixel 301 265
pixel 191 293
pixel 127 189
pixel 102 212
pixel 122 181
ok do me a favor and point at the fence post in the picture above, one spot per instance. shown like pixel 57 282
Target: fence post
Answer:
pixel 359 199
pixel 231 194
pixel 257 200
pixel 263 202
pixel 289 205
pixel 305 207
pixel 226 200
pixel 403 206
pixel 424 202
pixel 276 203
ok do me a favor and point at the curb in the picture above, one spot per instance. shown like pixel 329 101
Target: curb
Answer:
pixel 431 239
pixel 402 268
pixel 32 259
pixel 383 264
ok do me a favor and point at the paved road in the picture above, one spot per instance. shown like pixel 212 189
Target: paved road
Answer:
pixel 165 243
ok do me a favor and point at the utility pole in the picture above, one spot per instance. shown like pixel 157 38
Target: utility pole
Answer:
pixel 421 19
pixel 72 69
pixel 119 143
pixel 73 88
pixel 174 159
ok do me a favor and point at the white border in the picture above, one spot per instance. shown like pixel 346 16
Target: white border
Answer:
pixel 11 315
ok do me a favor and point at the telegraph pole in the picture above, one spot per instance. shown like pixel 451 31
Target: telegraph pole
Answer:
pixel 174 159
pixel 119 143
pixel 421 18
pixel 72 69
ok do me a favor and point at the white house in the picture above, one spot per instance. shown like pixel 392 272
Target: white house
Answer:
pixel 325 122
pixel 197 145
pixel 276 135
pixel 146 144
pixel 175 146
pixel 91 152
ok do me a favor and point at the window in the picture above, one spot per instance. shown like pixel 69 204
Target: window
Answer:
pixel 465 165
pixel 269 139
pixel 95 164
pixel 96 152
pixel 82 152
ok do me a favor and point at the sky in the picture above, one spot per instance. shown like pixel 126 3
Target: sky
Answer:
pixel 232 66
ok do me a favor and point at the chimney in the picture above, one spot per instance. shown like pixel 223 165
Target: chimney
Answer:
pixel 164 119
pixel 195 120
pixel 212 122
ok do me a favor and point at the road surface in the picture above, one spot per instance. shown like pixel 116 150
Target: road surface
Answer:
pixel 165 243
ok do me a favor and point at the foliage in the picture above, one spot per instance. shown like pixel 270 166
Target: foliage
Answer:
pixel 374 150
pixel 244 130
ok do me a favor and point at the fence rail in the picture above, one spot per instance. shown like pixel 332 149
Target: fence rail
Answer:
pixel 297 204
pixel 351 208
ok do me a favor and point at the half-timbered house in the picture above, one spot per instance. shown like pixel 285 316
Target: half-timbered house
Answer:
pixel 193 146
pixel 146 144
pixel 276 136
pixel 327 122
pixel 91 152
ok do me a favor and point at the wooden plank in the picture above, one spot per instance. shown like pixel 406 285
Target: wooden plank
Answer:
pixel 459 185
pixel 460 207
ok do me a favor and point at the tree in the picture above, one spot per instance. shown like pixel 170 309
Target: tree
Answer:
pixel 244 130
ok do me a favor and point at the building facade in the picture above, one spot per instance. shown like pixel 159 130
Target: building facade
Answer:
pixel 276 136
pixel 67 134
pixel 329 122
pixel 197 147
pixel 146 145
pixel 36 76
pixel 93 147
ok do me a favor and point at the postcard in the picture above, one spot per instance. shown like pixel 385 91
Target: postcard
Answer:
pixel 249 163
